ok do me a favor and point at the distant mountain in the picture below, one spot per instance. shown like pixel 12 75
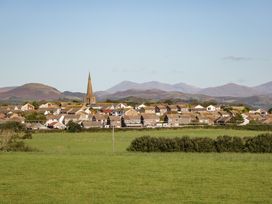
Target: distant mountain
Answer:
pixel 32 91
pixel 185 88
pixel 128 85
pixel 158 95
pixel 152 94
pixel 5 89
pixel 231 89
pixel 264 88
pixel 72 95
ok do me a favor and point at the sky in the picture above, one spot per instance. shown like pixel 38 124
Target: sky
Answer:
pixel 199 42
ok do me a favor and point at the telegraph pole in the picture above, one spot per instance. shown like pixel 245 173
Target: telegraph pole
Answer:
pixel 113 139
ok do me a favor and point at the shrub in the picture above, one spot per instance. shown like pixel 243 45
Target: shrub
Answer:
pixel 229 144
pixel 15 126
pixel 27 135
pixel 204 144
pixel 73 127
pixel 258 144
pixel 11 141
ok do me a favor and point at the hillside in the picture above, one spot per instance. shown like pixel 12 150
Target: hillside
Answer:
pixel 32 91
pixel 231 90
pixel 265 88
pixel 5 89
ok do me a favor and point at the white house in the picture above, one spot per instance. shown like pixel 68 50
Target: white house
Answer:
pixel 48 105
pixel 27 107
pixel 140 106
pixel 212 108
pixel 199 107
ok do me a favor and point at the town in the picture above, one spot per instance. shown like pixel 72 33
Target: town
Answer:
pixel 92 114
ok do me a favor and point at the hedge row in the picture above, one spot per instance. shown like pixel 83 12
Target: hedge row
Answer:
pixel 259 144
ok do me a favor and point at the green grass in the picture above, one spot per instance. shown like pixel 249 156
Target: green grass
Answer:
pixel 81 168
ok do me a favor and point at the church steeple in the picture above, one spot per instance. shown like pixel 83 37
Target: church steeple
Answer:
pixel 90 98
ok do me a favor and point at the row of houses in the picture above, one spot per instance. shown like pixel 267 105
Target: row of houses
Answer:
pixel 122 115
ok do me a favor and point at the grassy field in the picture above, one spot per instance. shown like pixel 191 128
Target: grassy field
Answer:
pixel 81 168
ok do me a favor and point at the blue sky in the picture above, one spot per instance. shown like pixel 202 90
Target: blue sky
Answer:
pixel 199 42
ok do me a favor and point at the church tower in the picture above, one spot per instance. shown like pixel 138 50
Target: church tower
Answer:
pixel 90 98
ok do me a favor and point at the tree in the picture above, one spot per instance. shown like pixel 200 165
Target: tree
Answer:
pixel 35 104
pixel 237 119
pixel 73 127
pixel 34 116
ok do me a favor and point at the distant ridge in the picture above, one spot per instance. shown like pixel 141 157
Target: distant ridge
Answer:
pixel 227 90
pixel 231 89
pixel 127 85
pixel 264 88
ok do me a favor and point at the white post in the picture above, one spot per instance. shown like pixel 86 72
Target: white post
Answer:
pixel 113 140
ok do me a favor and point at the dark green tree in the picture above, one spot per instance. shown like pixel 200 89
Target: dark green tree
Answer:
pixel 73 127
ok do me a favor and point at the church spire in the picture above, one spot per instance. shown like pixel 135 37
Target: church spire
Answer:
pixel 90 98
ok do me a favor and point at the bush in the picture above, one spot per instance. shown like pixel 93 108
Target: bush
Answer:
pixel 73 127
pixel 15 126
pixel 11 141
pixel 27 135
pixel 258 144
pixel 229 144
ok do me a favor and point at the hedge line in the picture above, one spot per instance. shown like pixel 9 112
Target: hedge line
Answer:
pixel 259 144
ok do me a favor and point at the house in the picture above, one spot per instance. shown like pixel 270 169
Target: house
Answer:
pixel 198 108
pixel 48 105
pixel 186 119
pixel 160 109
pixel 102 119
pixel 122 106
pixel 173 120
pixel 212 108
pixel 142 106
pixel 255 117
pixel 202 119
pixel 131 112
pixel 73 118
pixel 54 118
pixel 223 120
pixel 150 110
pixel 56 125
pixel 83 115
pixel 91 124
pixel 268 120
pixel 259 111
pixel 224 114
pixel 149 120
pixel 172 108
pixel 36 126
pixel 182 108
pixel 73 111
pixel 114 121
pixel 132 121
pixel 27 107
pixel 118 112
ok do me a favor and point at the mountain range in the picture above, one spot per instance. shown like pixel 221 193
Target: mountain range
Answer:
pixel 258 96
pixel 230 90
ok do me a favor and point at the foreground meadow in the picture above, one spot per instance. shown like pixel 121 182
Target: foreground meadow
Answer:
pixel 81 168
